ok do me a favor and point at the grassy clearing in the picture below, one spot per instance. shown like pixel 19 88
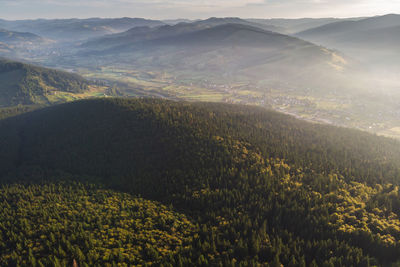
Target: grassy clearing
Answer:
pixel 59 96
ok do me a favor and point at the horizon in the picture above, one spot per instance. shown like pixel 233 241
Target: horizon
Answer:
pixel 194 9
pixel 196 19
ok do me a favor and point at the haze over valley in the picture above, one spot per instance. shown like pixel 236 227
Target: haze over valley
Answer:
pixel 336 71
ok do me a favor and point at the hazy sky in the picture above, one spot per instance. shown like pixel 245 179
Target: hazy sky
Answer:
pixel 163 9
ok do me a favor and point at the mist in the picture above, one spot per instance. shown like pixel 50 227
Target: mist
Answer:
pixel 337 71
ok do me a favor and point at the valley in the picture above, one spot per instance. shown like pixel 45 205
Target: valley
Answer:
pixel 374 115
pixel 305 80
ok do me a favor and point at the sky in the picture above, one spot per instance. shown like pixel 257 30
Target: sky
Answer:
pixel 194 9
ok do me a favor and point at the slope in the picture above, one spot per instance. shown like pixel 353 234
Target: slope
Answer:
pixel 212 22
pixel 77 29
pixel 27 84
pixel 348 26
pixel 14 44
pixel 11 37
pixel 225 53
pixel 291 26
pixel 140 34
pixel 261 186
pixel 372 40
pixel 104 219
pixel 6 49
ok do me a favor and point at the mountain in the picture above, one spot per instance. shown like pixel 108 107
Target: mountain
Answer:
pixel 22 83
pixel 11 37
pixel 177 21
pixel 6 49
pixel 290 26
pixel 373 39
pixel 20 44
pixel 338 29
pixel 138 34
pixel 228 34
pixel 221 21
pixel 242 184
pixel 77 29
pixel 227 52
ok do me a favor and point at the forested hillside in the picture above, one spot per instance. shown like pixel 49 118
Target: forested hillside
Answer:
pixel 258 187
pixel 28 84
pixel 90 224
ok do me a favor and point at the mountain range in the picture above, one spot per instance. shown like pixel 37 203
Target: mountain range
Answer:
pixel 14 44
pixel 76 29
pixel 286 26
pixel 226 51
pixel 374 40
pixel 6 49
pixel 18 38
pixel 291 26
pixel 138 34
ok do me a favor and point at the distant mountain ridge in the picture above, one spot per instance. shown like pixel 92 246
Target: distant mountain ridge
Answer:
pixel 78 29
pixel 345 29
pixel 145 33
pixel 213 21
pixel 372 39
pixel 227 50
pixel 15 44
pixel 225 34
pixel 195 34
pixel 17 37
pixel 341 27
pixel 5 48
pixel 290 26
pixel 140 34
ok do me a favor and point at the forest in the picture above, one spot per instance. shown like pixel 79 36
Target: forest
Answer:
pixel 121 182
pixel 48 224
pixel 25 84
